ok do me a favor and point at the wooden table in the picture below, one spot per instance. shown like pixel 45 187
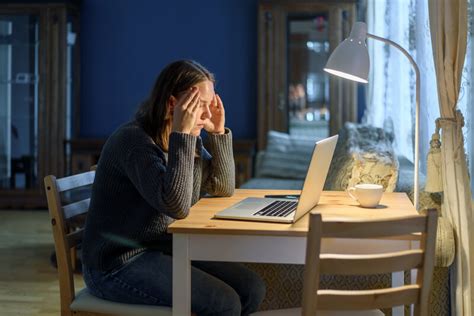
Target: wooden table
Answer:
pixel 200 237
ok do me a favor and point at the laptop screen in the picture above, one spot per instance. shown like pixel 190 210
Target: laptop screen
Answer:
pixel 316 175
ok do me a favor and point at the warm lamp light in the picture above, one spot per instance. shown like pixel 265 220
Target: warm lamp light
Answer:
pixel 350 60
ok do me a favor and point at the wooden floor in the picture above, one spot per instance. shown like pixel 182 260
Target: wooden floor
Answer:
pixel 28 283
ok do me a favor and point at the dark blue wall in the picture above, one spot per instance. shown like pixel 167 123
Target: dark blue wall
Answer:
pixel 125 43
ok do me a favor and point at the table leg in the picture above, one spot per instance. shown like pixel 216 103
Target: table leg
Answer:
pixel 398 279
pixel 413 274
pixel 181 275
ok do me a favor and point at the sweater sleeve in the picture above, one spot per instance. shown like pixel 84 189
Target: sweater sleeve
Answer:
pixel 166 187
pixel 219 172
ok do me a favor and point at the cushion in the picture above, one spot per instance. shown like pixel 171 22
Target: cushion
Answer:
pixel 84 301
pixel 364 154
pixel 445 243
pixel 286 156
pixel 297 312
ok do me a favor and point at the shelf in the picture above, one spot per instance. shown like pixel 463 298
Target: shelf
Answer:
pixel 6 83
pixel 9 43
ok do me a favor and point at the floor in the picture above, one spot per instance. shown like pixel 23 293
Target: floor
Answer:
pixel 28 283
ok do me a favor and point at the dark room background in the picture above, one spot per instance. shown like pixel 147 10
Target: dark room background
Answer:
pixel 124 45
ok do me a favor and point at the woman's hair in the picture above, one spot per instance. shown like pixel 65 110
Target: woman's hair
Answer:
pixel 153 114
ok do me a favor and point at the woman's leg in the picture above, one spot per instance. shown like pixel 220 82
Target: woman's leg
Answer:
pixel 147 279
pixel 247 283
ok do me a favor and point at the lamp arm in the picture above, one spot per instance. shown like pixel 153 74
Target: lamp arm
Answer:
pixel 417 111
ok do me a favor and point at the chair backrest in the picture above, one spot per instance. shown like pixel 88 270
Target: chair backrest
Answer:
pixel 67 229
pixel 422 259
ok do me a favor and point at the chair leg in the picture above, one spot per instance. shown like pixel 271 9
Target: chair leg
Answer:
pixel 74 258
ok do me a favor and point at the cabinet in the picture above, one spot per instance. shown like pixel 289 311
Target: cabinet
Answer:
pixel 295 40
pixel 39 81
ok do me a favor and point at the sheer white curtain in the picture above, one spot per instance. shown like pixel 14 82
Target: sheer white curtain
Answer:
pixel 466 96
pixel 449 27
pixel 391 90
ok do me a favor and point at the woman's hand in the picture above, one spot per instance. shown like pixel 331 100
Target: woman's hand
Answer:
pixel 185 112
pixel 216 123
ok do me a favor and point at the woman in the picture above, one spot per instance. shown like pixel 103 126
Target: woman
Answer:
pixel 151 171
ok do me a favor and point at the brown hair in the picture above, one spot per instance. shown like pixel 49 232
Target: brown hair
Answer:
pixel 153 114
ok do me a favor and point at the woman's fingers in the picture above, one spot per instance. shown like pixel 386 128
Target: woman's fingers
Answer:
pixel 194 104
pixel 190 97
pixel 220 105
pixel 195 101
pixel 214 102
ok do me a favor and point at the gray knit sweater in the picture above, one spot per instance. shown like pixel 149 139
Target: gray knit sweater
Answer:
pixel 139 190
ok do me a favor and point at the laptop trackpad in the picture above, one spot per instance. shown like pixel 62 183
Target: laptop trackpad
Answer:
pixel 251 204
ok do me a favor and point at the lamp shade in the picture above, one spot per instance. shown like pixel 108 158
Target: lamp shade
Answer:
pixel 350 59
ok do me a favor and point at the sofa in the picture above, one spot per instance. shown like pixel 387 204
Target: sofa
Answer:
pixel 364 154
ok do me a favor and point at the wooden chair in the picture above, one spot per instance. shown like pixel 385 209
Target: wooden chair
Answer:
pixel 66 238
pixel 366 302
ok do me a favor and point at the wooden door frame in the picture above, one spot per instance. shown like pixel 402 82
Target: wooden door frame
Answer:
pixel 52 72
pixel 272 63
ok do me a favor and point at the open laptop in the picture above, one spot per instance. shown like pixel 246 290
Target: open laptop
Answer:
pixel 284 210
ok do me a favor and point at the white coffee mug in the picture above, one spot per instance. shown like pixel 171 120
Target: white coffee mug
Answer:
pixel 368 195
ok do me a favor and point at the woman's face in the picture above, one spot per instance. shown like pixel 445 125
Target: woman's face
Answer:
pixel 206 89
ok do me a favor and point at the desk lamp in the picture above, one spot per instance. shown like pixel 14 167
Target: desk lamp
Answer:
pixel 350 60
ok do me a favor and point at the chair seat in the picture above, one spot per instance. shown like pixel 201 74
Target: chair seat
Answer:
pixel 86 302
pixel 297 312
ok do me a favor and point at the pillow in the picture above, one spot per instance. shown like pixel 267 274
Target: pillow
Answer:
pixel 286 156
pixel 363 154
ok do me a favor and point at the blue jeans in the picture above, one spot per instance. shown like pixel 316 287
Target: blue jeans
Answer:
pixel 217 288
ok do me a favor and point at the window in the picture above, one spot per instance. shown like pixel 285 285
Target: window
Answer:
pixel 466 96
pixel 391 89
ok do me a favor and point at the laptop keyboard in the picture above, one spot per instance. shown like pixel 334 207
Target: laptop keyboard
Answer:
pixel 278 208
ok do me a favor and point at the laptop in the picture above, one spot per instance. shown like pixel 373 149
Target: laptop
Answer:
pixel 286 210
